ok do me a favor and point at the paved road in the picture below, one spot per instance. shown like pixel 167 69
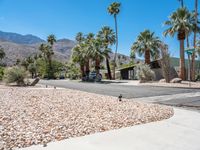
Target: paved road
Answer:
pixel 128 91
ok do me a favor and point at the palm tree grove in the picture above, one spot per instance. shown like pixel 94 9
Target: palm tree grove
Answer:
pixel 95 56
pixel 99 75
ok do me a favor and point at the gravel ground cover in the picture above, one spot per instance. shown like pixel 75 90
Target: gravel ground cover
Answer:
pixel 30 116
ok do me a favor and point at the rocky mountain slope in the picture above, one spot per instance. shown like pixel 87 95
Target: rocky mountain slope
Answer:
pixel 20 39
pixel 18 46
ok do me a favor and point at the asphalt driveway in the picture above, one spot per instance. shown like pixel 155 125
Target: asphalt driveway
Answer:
pixel 128 91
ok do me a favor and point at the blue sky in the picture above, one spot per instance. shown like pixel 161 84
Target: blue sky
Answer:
pixel 65 18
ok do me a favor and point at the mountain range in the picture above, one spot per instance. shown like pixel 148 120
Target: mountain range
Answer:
pixel 17 46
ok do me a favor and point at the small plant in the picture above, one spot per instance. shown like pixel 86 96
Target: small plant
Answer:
pixel 144 73
pixel 1 73
pixel 197 78
pixel 15 75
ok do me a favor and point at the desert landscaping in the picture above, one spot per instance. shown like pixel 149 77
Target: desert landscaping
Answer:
pixel 31 116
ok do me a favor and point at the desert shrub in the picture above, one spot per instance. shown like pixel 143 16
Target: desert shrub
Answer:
pixel 144 72
pixel 1 73
pixel 165 62
pixel 14 75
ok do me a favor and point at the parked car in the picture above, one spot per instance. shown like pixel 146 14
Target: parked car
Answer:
pixel 93 76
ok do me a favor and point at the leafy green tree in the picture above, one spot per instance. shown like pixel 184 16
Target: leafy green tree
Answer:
pixel 32 69
pixel 179 22
pixel 147 44
pixel 114 9
pixel 107 36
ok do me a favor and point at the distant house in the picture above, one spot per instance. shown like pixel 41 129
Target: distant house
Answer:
pixel 129 73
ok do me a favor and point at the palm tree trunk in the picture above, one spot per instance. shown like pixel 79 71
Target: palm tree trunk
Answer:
pixel 82 70
pixel 147 56
pixel 97 65
pixel 195 37
pixel 108 68
pixel 115 56
pixel 87 67
pixel 188 45
pixel 51 76
pixel 187 40
pixel 182 60
pixel 182 5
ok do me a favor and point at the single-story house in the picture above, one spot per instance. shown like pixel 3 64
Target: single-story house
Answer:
pixel 129 73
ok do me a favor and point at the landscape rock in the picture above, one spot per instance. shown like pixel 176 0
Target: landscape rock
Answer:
pixel 162 80
pixel 30 116
pixel 176 80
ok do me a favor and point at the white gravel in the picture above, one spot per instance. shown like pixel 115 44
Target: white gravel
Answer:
pixel 31 116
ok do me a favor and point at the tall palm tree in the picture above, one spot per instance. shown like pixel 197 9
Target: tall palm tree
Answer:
pixel 51 39
pixel 78 56
pixel 2 53
pixel 195 37
pixel 182 3
pixel 179 22
pixel 96 52
pixel 88 40
pixel 79 37
pixel 47 53
pixel 148 44
pixel 114 10
pixel 107 36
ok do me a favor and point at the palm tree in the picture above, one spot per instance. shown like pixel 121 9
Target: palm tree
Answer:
pixel 88 40
pixel 97 53
pixel 47 52
pixel 79 37
pixel 51 39
pixel 107 36
pixel 182 4
pixel 2 53
pixel 179 22
pixel 78 56
pixel 114 10
pixel 195 37
pixel 148 44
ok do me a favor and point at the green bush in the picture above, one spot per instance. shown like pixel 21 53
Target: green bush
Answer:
pixel 197 78
pixel 15 75
pixel 1 73
pixel 43 69
pixel 32 69
pixel 73 72
pixel 144 72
